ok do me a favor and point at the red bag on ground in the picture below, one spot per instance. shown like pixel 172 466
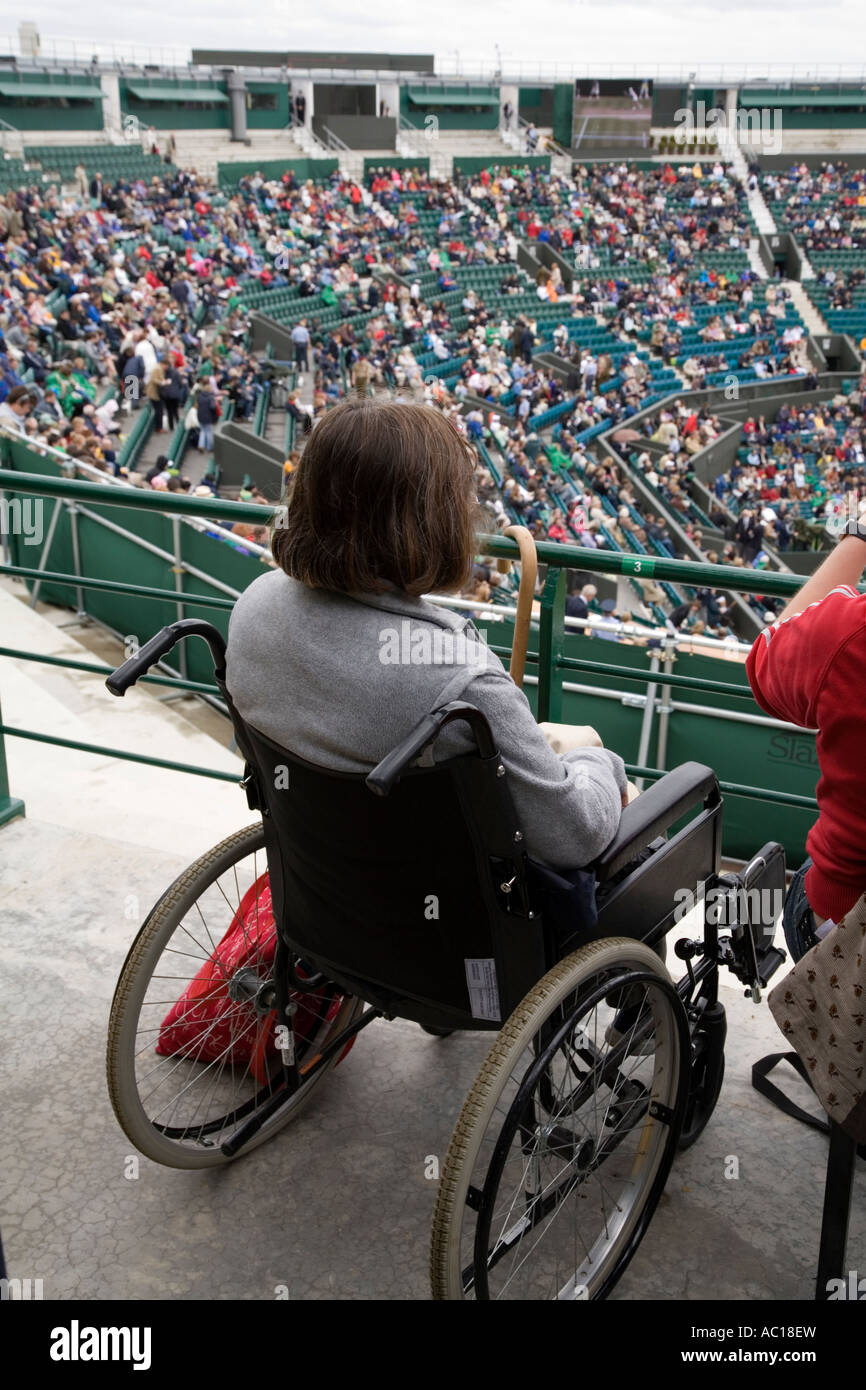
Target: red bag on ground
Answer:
pixel 205 1025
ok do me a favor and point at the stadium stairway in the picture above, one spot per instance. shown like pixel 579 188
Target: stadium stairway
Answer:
pixel 275 427
pixel 305 383
pixel 755 259
pixel 154 445
pixel 203 150
pixel 447 146
pixel 809 313
pixel 761 214
pixel 763 218
pixel 807 270
pixel 192 463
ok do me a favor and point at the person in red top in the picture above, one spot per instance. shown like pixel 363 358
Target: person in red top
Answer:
pixel 808 669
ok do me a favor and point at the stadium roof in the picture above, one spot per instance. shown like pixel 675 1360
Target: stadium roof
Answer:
pixel 441 96
pixel 765 98
pixel 84 91
pixel 396 62
pixel 201 94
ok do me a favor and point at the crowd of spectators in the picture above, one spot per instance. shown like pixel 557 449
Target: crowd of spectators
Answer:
pixel 426 230
pixel 138 292
pixel 806 465
pixel 606 215
pixel 824 208
pixel 102 301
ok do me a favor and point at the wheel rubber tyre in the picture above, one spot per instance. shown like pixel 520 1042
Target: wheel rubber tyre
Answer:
pixel 705 1104
pixel 124 1047
pixel 587 974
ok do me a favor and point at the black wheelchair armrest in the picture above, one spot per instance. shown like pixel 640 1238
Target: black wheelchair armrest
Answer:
pixel 653 812
pixel 389 771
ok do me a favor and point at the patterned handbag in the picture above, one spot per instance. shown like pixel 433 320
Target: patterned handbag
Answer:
pixel 820 1006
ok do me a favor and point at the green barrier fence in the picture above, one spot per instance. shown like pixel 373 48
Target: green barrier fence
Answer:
pixel 303 169
pixel 474 164
pixel 654 715
pixel 388 161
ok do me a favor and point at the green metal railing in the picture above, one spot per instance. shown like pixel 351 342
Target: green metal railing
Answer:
pixel 551 659
pixel 135 440
pixel 260 416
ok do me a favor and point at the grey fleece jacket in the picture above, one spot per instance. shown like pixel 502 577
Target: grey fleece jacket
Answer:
pixel 340 680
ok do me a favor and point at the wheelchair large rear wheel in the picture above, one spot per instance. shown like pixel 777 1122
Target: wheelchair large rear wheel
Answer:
pixel 190 1058
pixel 566 1140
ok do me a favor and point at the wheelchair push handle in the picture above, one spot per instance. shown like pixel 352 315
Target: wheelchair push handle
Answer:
pixel 160 645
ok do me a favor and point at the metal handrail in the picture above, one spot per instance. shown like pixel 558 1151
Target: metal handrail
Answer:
pixel 550 657
pixel 549 142
pixel 550 553
pixel 65 51
pixel 108 480
pixel 334 141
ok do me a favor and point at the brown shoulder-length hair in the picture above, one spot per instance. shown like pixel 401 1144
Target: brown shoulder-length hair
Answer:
pixel 384 494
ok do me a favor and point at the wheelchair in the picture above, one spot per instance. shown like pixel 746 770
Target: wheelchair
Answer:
pixel 409 893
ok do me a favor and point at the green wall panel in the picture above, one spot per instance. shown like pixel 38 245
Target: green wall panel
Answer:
pixel 394 162
pixel 60 555
pixel 536 104
pixel 820 119
pixel 228 174
pixel 88 116
pixel 473 164
pixel 450 117
pixel 563 112
pixel 269 120
pixel 165 115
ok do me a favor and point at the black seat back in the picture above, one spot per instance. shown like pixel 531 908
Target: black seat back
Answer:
pixel 400 898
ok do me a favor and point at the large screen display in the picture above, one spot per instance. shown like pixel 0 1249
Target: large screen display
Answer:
pixel 612 116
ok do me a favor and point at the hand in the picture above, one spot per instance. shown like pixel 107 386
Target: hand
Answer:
pixel 564 737
pixel 629 794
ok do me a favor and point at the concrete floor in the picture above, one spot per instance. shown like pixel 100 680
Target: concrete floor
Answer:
pixel 336 1206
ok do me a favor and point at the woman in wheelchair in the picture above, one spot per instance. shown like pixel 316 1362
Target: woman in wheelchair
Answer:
pixel 423 853
pixel 337 656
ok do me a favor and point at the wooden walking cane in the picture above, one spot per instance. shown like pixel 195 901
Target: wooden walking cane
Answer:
pixel 525 596
pixel 561 737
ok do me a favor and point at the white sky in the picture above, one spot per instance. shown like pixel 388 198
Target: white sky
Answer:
pixel 573 32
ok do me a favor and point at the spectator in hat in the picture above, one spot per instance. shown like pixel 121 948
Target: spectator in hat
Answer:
pixel 607 627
